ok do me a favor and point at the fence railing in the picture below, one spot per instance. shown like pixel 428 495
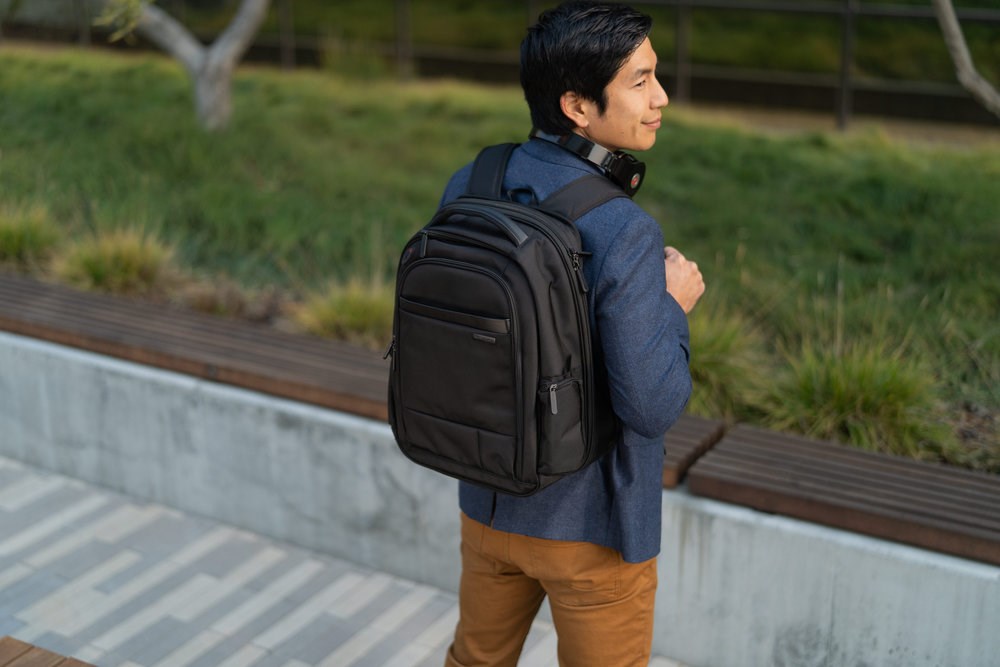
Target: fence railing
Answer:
pixel 290 47
pixel 846 12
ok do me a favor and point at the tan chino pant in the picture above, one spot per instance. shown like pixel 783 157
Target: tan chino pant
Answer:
pixel 602 607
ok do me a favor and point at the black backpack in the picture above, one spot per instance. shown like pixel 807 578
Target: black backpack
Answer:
pixel 495 378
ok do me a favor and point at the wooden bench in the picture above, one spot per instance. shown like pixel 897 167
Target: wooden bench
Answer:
pixel 15 653
pixel 936 507
pixel 685 442
pixel 301 368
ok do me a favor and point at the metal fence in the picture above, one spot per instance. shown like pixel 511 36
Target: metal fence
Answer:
pixel 845 12
pixel 291 48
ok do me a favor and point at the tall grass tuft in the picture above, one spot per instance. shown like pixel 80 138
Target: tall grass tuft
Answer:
pixel 866 393
pixel 355 311
pixel 728 363
pixel 123 261
pixel 27 237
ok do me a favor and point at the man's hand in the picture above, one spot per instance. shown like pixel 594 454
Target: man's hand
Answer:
pixel 684 281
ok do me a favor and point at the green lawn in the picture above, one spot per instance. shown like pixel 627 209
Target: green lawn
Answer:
pixel 843 271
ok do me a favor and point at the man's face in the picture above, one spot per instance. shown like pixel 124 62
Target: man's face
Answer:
pixel 632 115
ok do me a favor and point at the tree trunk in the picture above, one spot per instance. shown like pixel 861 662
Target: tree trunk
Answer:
pixel 213 96
pixel 965 70
pixel 210 68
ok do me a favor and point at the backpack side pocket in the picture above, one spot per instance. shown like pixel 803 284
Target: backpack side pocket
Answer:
pixel 561 447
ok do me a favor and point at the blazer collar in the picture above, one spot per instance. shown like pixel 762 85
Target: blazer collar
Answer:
pixel 548 152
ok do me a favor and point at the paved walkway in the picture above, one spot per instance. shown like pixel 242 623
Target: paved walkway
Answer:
pixel 102 577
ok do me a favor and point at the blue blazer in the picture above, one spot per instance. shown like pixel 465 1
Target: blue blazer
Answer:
pixel 614 502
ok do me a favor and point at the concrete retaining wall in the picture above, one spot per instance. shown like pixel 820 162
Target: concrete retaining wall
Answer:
pixel 315 477
pixel 737 587
pixel 740 587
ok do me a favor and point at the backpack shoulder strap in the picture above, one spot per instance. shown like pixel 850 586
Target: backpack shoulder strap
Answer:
pixel 581 196
pixel 488 170
pixel 571 201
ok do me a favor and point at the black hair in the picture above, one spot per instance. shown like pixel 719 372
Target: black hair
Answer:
pixel 578 46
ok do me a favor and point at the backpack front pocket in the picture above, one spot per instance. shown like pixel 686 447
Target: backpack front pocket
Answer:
pixel 459 366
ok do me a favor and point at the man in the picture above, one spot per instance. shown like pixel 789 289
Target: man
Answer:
pixel 588 542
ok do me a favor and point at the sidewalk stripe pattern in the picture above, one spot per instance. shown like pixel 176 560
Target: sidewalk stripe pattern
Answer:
pixel 117 582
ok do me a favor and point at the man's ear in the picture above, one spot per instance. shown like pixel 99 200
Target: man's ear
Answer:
pixel 576 108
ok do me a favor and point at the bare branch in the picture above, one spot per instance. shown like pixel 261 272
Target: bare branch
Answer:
pixel 230 46
pixel 210 68
pixel 167 32
pixel 965 69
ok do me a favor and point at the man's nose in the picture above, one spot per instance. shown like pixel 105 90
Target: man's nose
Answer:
pixel 660 98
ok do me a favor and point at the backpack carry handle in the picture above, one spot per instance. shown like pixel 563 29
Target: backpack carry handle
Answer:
pixel 513 232
pixel 486 180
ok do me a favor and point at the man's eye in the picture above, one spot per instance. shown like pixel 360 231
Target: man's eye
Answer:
pixel 641 84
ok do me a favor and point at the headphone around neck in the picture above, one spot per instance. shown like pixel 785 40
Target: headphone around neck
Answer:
pixel 621 168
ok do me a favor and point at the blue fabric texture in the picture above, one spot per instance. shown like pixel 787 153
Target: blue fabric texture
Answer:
pixel 614 502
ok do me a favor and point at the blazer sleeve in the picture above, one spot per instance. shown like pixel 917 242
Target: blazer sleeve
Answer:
pixel 644 332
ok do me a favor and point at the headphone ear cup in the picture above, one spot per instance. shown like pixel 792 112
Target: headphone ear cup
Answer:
pixel 621 168
pixel 627 172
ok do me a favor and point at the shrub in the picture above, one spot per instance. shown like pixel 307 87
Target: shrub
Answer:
pixel 221 295
pixel 123 261
pixel 979 440
pixel 27 237
pixel 865 393
pixel 728 363
pixel 356 312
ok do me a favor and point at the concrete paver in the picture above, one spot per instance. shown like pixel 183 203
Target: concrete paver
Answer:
pixel 119 582
pixel 122 583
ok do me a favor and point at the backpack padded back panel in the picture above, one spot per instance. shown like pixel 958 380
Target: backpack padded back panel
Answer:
pixel 494 378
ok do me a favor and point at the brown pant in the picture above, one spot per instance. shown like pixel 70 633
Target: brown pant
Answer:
pixel 602 607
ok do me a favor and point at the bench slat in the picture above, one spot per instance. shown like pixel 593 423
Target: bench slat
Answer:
pixel 798 482
pixel 873 494
pixel 343 396
pixel 939 489
pixel 11 649
pixel 15 653
pixel 201 331
pixel 315 366
pixel 148 335
pixel 856 517
pixel 321 372
pixel 831 451
pixel 944 492
pixel 687 439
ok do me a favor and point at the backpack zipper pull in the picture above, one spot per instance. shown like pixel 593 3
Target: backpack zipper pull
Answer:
pixel 578 269
pixel 553 405
pixel 423 243
pixel 389 350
